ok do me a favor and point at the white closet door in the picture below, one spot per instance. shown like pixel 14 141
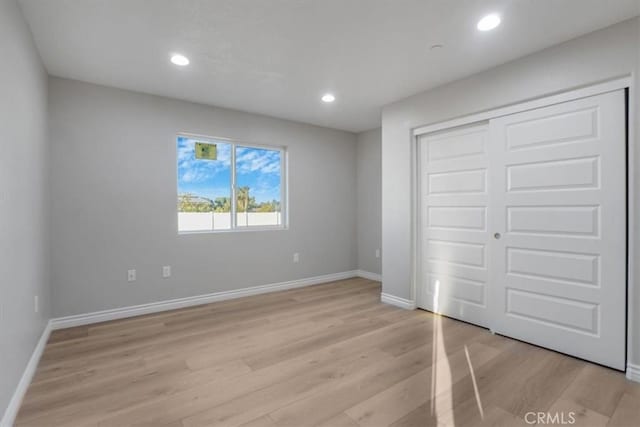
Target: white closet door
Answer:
pixel 558 190
pixel 453 221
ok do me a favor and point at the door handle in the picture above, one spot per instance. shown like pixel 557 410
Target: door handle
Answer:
pixel 497 236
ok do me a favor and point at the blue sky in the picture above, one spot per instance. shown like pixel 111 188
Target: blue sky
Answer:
pixel 258 169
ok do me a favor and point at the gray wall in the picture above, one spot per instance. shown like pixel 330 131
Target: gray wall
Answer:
pixel 24 198
pixel 369 200
pixel 114 167
pixel 595 57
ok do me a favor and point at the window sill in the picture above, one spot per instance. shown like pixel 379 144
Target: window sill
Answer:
pixel 236 230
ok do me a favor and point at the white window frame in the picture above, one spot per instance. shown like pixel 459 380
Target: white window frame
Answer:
pixel 284 183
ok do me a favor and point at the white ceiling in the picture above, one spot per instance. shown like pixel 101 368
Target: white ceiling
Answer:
pixel 277 57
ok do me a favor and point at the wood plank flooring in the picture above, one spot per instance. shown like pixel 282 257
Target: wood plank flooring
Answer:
pixel 329 355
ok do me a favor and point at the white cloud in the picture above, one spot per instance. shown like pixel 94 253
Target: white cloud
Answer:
pixel 254 159
pixel 248 160
pixel 192 170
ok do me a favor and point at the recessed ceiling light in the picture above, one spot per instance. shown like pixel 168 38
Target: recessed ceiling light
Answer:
pixel 489 22
pixel 328 98
pixel 180 60
pixel 436 47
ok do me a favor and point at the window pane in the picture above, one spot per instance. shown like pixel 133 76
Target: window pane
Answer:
pixel 258 178
pixel 204 184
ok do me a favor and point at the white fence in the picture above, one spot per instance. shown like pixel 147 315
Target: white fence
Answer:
pixel 205 221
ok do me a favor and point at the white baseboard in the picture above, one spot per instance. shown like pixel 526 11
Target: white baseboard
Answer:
pixel 155 307
pixel 16 400
pixel 633 372
pixel 407 304
pixel 368 275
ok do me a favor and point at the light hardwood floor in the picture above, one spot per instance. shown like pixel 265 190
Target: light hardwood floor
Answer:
pixel 327 355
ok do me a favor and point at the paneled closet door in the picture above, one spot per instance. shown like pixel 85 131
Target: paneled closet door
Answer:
pixel 453 236
pixel 558 227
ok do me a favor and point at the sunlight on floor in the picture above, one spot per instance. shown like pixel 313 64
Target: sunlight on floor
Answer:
pixel 441 375
pixel 475 384
pixel 441 400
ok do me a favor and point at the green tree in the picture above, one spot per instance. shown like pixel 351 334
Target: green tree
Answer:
pixel 244 202
pixel 265 207
pixel 187 202
pixel 222 204
pixel 243 199
pixel 272 206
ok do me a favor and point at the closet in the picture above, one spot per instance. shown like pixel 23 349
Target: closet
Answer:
pixel 521 225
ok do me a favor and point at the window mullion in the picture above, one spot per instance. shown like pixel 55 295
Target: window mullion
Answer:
pixel 234 215
pixel 283 190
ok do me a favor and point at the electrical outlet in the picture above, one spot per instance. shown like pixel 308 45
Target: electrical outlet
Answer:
pixel 377 253
pixel 36 304
pixel 296 257
pixel 131 275
pixel 166 271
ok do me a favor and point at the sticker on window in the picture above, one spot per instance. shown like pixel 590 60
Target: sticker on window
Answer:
pixel 206 151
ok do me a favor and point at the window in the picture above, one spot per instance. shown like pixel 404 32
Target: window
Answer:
pixel 212 172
